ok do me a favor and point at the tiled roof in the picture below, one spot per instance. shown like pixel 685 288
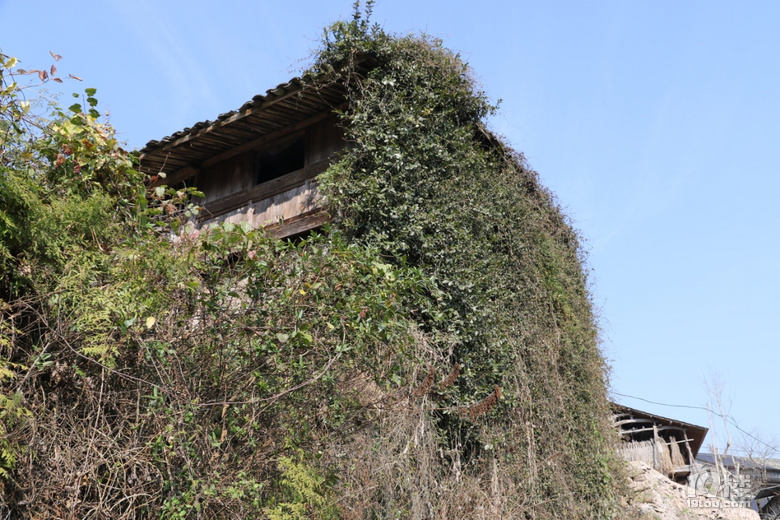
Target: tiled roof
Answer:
pixel 287 105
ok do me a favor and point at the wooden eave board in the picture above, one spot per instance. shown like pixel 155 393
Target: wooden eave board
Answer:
pixel 287 104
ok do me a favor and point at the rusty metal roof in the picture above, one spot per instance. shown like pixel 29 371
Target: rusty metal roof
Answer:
pixel 290 103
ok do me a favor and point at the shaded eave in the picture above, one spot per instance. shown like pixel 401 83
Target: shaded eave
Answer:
pixel 285 109
pixel 768 492
pixel 695 433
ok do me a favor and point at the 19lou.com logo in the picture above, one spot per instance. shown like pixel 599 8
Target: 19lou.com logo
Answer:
pixel 708 489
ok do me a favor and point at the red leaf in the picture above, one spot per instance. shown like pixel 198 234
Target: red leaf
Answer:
pixel 42 75
pixel 75 77
pixel 58 80
pixel 53 70
pixel 21 71
pixel 56 57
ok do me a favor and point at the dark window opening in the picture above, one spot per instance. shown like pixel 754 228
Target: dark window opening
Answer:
pixel 303 235
pixel 280 160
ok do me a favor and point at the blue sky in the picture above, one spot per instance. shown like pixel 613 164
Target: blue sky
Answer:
pixel 656 123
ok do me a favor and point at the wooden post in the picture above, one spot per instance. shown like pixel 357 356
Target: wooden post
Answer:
pixel 690 453
pixel 655 444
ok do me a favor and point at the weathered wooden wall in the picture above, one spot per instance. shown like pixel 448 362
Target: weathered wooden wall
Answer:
pixel 283 206
pixel 232 196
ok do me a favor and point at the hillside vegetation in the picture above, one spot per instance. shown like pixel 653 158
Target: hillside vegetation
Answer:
pixel 431 354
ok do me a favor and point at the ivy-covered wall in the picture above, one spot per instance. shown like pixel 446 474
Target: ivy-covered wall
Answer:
pixel 429 187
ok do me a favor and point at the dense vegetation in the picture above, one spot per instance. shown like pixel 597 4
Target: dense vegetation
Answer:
pixel 431 355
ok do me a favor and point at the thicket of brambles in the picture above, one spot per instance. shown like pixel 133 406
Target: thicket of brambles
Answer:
pixel 431 354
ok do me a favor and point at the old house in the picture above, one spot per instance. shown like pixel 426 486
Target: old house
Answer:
pixel 668 445
pixel 258 164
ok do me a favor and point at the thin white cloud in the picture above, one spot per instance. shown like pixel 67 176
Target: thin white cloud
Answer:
pixel 178 67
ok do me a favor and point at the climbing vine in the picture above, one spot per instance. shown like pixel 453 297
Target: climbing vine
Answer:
pixel 426 184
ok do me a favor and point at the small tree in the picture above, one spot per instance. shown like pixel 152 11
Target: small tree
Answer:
pixel 739 445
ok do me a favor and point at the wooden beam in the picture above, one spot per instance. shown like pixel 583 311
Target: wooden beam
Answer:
pixel 263 191
pixel 299 224
pixel 259 142
pixel 176 177
pixel 294 90
pixel 265 139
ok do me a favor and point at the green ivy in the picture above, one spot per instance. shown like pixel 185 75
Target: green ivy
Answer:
pixel 426 184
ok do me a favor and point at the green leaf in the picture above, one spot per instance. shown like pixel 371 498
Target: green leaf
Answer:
pixel 90 91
